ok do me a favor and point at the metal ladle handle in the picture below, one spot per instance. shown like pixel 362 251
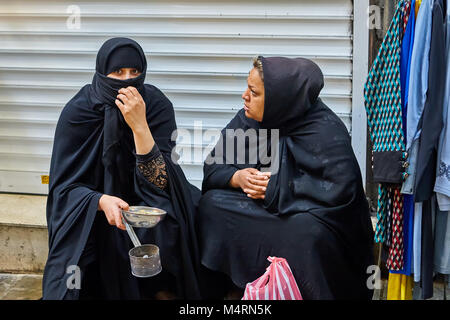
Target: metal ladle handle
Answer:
pixel 132 234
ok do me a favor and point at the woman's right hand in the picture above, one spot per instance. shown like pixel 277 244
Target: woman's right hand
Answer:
pixel 111 207
pixel 252 181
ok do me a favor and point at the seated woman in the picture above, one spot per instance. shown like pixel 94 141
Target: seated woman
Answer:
pixel 310 208
pixel 113 149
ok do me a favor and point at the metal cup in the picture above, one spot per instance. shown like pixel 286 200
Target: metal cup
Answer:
pixel 145 261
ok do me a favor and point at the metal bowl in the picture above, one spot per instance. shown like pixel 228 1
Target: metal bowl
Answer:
pixel 143 217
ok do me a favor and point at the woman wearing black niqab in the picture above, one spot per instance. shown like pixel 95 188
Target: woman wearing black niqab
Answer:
pixel 113 149
pixel 310 210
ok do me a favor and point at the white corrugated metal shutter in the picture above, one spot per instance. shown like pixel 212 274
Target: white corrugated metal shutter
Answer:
pixel 199 53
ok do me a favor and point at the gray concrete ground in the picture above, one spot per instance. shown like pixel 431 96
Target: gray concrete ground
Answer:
pixel 20 286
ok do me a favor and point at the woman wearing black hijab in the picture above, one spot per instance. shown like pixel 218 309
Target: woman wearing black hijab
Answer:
pixel 310 208
pixel 113 149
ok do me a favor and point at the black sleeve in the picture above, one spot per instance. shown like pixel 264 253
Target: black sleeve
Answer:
pixel 153 167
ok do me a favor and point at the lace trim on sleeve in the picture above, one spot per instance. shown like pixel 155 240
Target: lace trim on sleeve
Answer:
pixel 154 169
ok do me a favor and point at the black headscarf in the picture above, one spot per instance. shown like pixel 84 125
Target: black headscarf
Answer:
pixel 116 53
pixel 93 154
pixel 121 57
pixel 317 175
pixel 303 80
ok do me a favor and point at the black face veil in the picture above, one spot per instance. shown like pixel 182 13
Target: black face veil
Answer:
pixel 93 154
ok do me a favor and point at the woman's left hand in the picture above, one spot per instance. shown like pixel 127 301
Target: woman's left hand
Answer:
pixel 132 106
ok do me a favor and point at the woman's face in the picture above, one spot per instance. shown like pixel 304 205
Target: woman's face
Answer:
pixel 124 73
pixel 254 96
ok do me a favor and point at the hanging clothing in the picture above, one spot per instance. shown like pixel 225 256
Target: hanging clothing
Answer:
pixel 385 100
pixel 405 64
pixel 314 214
pixel 382 95
pixel 432 122
pixel 431 126
pixel 395 261
pixel 405 60
pixel 418 3
pixel 418 88
pixel 442 186
pixel 418 82
pixel 93 154
pixel 427 248
pixel 442 242
pixel 396 251
pixel 408 229
pixel 417 93
pixel 400 287
pixel 417 240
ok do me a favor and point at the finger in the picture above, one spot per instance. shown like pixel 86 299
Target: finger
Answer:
pixel 119 223
pixel 249 184
pixel 135 92
pixel 260 183
pixel 120 104
pixel 255 184
pixel 123 205
pixel 130 94
pixel 259 177
pixel 258 189
pixel 118 219
pixel 265 174
pixel 122 97
pixel 127 92
pixel 253 192
pixel 252 170
pixel 256 197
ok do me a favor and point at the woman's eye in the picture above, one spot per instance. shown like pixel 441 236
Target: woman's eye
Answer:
pixel 119 71
pixel 135 71
pixel 253 93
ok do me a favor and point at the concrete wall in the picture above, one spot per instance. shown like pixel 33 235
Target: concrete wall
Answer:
pixel 23 233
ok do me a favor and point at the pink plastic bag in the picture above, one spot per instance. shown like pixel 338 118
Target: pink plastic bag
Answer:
pixel 277 283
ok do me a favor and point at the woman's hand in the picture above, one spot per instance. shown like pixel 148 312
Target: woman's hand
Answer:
pixel 133 110
pixel 252 181
pixel 111 207
pixel 132 107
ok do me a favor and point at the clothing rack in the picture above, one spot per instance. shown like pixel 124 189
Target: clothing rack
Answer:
pixel 406 99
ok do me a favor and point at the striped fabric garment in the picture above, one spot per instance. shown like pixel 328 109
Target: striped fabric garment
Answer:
pixel 383 106
pixel 382 94
pixel 277 283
